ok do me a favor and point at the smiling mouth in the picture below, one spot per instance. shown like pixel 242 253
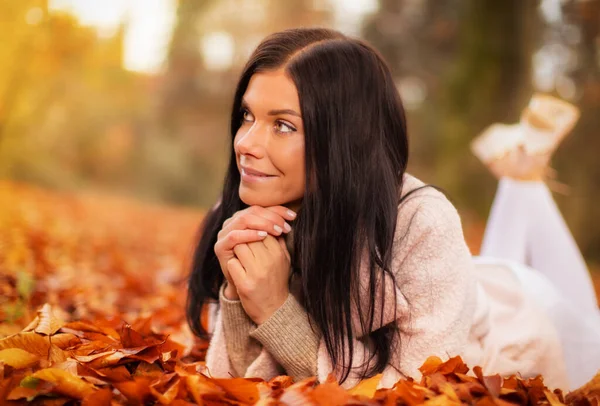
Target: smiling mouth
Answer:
pixel 251 174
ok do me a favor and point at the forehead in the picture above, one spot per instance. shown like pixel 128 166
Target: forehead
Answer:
pixel 272 89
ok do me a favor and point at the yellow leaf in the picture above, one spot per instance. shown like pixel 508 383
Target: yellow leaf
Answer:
pixel 18 358
pixel 65 382
pixel 366 387
pixel 42 346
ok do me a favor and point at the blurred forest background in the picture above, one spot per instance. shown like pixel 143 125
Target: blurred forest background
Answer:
pixel 79 111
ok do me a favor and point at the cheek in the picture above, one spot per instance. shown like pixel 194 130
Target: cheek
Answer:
pixel 294 172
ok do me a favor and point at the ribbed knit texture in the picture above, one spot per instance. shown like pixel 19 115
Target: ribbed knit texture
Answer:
pixel 243 348
pixel 288 336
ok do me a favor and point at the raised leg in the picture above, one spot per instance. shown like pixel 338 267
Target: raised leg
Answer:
pixel 526 226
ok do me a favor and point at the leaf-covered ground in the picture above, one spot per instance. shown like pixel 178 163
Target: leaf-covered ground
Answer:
pixel 91 312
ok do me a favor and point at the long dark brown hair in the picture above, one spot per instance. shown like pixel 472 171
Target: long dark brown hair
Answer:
pixel 355 158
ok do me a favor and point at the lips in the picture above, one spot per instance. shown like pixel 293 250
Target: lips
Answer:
pixel 253 172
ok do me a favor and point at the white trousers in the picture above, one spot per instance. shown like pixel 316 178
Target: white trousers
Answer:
pixel 526 229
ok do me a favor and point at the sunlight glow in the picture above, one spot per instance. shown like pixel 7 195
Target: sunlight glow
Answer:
pixel 149 26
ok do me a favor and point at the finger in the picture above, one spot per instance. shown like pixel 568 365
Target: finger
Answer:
pixel 234 216
pixel 283 212
pixel 271 243
pixel 273 216
pixel 258 248
pixel 254 222
pixel 236 271
pixel 243 253
pixel 284 248
pixel 237 237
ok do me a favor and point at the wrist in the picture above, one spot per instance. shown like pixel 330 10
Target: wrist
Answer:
pixel 268 312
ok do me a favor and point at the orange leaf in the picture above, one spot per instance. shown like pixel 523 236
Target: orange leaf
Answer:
pixel 200 385
pixel 244 390
pixel 101 397
pixel 330 394
pixel 430 365
pixel 366 387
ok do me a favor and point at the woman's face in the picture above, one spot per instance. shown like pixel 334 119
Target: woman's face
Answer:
pixel 269 145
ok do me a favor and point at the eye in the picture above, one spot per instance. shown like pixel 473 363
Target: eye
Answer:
pixel 283 127
pixel 247 116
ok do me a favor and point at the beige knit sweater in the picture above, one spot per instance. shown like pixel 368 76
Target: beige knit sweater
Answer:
pixel 444 307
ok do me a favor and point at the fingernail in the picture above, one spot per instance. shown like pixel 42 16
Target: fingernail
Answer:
pixel 287 227
pixel 291 214
pixel 277 228
pixel 262 233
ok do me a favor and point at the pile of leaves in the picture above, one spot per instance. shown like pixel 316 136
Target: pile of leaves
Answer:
pixel 92 292
pixel 107 362
pixel 91 256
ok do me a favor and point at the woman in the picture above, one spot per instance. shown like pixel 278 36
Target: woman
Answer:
pixel 377 276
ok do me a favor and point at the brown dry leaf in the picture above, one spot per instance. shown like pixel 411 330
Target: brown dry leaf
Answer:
pixel 18 358
pixel 492 383
pixel 166 397
pixel 126 340
pixel 199 385
pixel 45 322
pixel 553 399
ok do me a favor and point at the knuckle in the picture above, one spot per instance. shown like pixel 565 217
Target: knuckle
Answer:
pixel 234 236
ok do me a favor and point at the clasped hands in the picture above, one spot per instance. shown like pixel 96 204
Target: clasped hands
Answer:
pixel 254 259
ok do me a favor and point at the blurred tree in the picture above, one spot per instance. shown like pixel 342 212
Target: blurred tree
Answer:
pixel 211 42
pixel 63 89
pixel 473 60
pixel 490 81
pixel 577 160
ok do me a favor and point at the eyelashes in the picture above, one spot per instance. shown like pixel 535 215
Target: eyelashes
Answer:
pixel 280 126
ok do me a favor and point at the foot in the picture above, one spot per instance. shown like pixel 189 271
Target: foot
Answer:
pixel 522 151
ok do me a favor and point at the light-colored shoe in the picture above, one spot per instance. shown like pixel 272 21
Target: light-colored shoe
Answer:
pixel 523 150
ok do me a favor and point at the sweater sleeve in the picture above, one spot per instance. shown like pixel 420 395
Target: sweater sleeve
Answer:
pixel 290 338
pixel 221 355
pixel 241 348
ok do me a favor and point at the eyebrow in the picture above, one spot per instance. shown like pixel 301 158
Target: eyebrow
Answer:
pixel 274 112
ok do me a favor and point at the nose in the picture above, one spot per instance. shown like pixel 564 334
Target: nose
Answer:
pixel 252 142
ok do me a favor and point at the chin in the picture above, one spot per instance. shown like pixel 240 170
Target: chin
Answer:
pixel 252 198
